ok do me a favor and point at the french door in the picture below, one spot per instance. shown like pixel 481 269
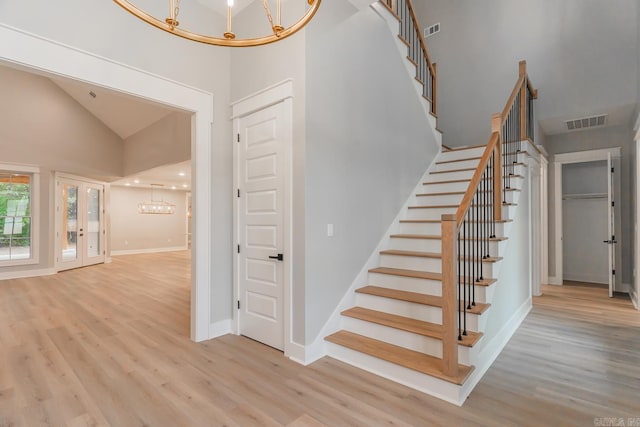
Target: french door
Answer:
pixel 80 231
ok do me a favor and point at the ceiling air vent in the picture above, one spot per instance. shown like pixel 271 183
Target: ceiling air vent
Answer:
pixel 429 31
pixel 586 122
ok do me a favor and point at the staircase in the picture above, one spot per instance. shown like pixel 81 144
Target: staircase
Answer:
pixel 395 328
pixel 421 318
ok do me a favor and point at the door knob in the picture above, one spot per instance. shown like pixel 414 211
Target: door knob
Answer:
pixel 280 257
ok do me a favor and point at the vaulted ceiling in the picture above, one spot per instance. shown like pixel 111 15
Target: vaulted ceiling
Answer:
pixel 582 55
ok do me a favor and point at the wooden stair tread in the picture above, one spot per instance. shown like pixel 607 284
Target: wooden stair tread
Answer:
pixel 416 236
pixel 415 297
pixel 444 162
pixel 470 147
pixel 446 182
pixel 410 359
pixel 420 327
pixel 407 273
pixel 398 252
pixel 434 207
pixel 453 171
pixel 459 193
pixel 411 253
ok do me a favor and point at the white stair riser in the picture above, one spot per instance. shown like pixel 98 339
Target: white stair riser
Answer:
pixel 509 211
pixel 444 187
pixel 461 154
pixel 409 284
pixel 448 199
pixel 425 286
pixel 430 228
pixel 400 308
pixel 421 245
pixel 409 377
pixel 415 311
pixel 415 342
pixel 429 213
pixel 449 176
pixel 462 164
pixel 433 265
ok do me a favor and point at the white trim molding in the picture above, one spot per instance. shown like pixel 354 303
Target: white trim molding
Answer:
pixel 281 92
pixel 26 273
pixel 220 328
pixel 149 251
pixel 35 52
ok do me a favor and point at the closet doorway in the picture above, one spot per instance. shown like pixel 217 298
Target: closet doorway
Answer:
pixel 588 220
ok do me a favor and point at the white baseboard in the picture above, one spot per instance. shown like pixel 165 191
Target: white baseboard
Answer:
pixel 149 251
pixel 493 348
pixel 108 260
pixel 27 273
pixel 553 280
pixel 296 352
pixel 624 288
pixel 219 328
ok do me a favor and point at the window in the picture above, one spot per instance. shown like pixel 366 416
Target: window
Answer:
pixel 17 231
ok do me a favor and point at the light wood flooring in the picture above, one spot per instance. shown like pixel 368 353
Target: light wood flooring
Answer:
pixel 108 345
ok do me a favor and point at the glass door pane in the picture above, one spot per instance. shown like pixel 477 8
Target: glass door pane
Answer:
pixel 70 224
pixel 93 222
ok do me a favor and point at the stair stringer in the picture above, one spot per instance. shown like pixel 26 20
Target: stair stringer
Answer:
pixel 393 25
pixel 317 349
pixel 484 353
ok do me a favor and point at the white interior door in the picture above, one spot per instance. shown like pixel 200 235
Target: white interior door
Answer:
pixel 262 174
pixel 79 224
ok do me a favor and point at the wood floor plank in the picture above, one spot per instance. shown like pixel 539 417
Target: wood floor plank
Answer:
pixel 109 346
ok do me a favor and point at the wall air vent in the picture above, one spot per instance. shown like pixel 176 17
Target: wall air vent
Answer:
pixel 429 31
pixel 586 122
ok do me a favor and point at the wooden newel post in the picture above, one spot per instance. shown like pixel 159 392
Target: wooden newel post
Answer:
pixel 496 126
pixel 450 301
pixel 523 101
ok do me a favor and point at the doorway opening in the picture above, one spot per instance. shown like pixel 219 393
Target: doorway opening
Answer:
pixel 588 221
pixel 47 58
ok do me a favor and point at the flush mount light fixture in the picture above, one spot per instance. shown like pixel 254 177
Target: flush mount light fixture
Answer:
pixel 172 25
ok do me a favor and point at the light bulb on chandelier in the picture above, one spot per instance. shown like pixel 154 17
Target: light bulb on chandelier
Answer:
pixel 171 24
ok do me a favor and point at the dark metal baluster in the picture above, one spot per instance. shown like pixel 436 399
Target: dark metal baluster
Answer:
pixel 464 276
pixel 460 291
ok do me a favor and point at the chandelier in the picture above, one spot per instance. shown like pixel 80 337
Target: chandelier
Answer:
pixel 171 23
pixel 157 207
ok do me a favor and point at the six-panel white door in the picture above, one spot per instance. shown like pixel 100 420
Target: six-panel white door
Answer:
pixel 261 177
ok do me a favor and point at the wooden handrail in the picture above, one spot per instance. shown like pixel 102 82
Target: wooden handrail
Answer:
pixel 423 45
pixel 475 180
pixel 451 224
pixel 392 6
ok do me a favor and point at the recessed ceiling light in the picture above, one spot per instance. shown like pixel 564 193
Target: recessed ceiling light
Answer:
pixel 136 181
pixel 181 173
pixel 128 184
pixel 173 187
pixel 184 185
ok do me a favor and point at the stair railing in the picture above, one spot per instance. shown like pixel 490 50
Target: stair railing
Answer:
pixel 411 35
pixel 467 234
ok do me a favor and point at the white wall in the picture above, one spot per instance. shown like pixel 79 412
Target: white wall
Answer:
pixel 166 141
pixel 581 55
pixel 132 231
pixel 368 143
pixel 609 137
